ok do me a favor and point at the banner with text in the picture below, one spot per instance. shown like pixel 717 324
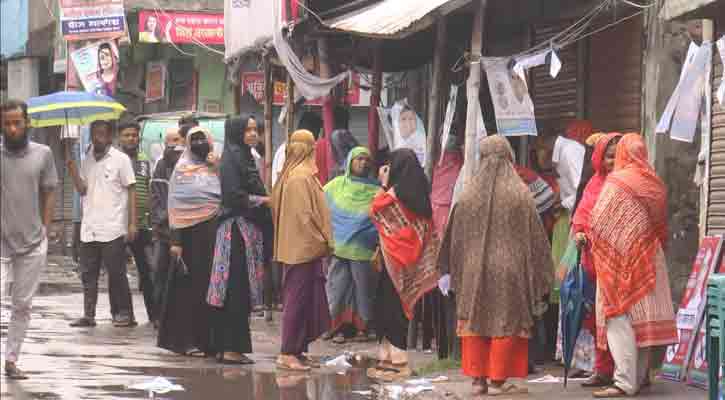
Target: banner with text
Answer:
pixel 92 19
pixel 253 83
pixel 692 307
pixel 511 100
pixel 180 27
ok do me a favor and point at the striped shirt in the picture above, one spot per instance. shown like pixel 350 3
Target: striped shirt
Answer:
pixel 142 170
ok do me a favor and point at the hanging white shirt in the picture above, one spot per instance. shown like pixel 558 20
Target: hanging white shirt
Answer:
pixel 278 161
pixel 568 157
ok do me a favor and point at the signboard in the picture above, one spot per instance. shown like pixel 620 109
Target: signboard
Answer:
pixel 155 81
pixel 253 83
pixel 258 17
pixel 511 100
pixel 180 27
pixel 97 67
pixel 92 19
pixel 692 307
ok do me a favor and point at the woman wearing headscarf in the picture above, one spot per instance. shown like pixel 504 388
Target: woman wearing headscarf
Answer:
pixel 239 257
pixel 348 286
pixel 586 357
pixel 341 142
pixel 194 201
pixel 302 238
pixel 628 234
pixel 498 256
pixel 402 214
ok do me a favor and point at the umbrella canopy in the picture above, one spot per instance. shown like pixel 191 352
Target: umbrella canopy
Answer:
pixel 72 108
pixel 577 298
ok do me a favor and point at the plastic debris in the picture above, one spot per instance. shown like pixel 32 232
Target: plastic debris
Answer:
pixel 340 361
pixel 158 385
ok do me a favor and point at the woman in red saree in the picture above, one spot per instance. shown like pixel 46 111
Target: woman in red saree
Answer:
pixel 628 234
pixel 403 217
pixel 602 164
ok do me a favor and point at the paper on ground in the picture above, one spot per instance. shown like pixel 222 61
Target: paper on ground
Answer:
pixel 554 379
pixel 157 385
pixel 340 361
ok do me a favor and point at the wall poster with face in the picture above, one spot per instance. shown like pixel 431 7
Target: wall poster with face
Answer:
pixel 97 67
pixel 408 130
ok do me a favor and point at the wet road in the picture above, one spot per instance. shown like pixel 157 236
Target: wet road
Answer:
pixel 101 362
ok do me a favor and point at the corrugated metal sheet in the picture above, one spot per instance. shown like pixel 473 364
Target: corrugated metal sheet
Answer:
pixel 555 100
pixel 615 78
pixel 678 8
pixel 394 19
pixel 716 202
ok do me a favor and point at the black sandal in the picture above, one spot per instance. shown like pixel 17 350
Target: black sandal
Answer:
pixel 243 360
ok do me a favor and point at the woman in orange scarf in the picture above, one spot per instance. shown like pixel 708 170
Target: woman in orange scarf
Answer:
pixel 628 234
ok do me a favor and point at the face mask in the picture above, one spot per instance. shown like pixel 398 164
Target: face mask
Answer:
pixel 200 150
pixel 172 153
pixel 15 144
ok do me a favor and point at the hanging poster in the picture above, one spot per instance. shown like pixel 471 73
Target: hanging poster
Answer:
pixel 181 27
pixel 92 19
pixel 692 307
pixel 408 130
pixel 253 83
pixel 720 94
pixel 97 67
pixel 255 32
pixel 155 81
pixel 511 101
pixel 448 121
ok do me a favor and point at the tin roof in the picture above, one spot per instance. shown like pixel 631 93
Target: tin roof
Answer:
pixel 393 19
pixel 678 8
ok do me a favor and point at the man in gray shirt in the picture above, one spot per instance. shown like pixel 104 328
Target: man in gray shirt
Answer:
pixel 27 199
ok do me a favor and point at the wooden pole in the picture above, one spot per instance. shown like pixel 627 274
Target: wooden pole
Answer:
pixel 472 89
pixel 328 102
pixel 373 120
pixel 436 91
pixel 268 124
pixel 290 105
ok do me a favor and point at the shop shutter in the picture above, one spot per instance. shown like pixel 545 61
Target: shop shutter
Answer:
pixel 615 78
pixel 716 201
pixel 555 100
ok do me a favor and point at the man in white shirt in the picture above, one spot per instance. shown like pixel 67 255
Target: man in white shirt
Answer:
pixel 106 184
pixel 568 160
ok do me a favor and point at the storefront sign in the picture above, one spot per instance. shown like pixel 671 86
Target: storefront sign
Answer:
pixel 177 27
pixel 511 101
pixel 92 19
pixel 692 307
pixel 155 81
pixel 253 83
pixel 97 67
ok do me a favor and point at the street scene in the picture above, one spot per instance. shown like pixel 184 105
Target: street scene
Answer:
pixel 363 199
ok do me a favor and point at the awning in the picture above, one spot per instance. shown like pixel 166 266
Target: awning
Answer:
pixel 393 19
pixel 673 9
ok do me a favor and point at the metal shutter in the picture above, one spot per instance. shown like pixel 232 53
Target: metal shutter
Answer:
pixel 615 93
pixel 555 100
pixel 716 201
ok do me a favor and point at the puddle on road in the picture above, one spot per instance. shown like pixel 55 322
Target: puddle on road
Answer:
pixel 219 383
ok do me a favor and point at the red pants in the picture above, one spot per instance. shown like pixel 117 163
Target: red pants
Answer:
pixel 495 358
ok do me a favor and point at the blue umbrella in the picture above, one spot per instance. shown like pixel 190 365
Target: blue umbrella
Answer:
pixel 72 108
pixel 577 297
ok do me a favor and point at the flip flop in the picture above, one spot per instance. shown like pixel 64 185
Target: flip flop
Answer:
pixel 610 393
pixel 286 367
pixel 506 388
pixel 244 360
pixel 195 353
pixel 309 362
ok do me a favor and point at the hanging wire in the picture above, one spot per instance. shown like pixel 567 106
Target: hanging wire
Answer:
pixel 641 6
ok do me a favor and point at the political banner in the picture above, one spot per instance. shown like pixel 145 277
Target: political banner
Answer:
pixel 180 27
pixel 155 81
pixel 96 66
pixel 92 19
pixel 511 100
pixel 253 84
pixel 691 310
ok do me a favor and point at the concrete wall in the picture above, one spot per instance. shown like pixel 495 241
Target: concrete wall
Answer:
pixel 675 161
pixel 13 35
pixel 23 78
pixel 213 86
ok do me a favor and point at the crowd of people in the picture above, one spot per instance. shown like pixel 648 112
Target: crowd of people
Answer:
pixel 353 242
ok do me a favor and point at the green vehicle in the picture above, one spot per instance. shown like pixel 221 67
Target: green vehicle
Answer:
pixel 154 126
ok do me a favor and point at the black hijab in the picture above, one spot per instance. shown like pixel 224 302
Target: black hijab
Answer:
pixel 410 183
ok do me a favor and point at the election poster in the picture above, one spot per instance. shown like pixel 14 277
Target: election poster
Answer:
pixel 96 66
pixel 92 19
pixel 511 100
pixel 155 81
pixel 691 310
pixel 180 27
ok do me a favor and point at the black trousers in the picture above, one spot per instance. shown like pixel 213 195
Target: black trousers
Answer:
pixel 141 248
pixel 111 255
pixel 161 262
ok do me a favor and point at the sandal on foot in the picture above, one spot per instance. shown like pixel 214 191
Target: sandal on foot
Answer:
pixel 84 322
pixel 13 372
pixel 597 381
pixel 610 393
pixel 195 353
pixel 305 360
pixel 294 367
pixel 506 388
pixel 242 360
